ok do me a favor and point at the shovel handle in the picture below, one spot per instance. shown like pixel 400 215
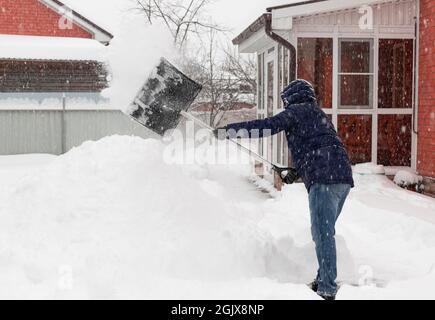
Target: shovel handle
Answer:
pixel 211 129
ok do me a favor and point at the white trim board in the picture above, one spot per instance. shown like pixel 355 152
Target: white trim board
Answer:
pixel 97 33
pixel 321 7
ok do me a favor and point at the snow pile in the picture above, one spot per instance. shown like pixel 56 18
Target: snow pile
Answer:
pixel 115 215
pixel 405 179
pixel 111 219
pixel 369 169
pixel 60 48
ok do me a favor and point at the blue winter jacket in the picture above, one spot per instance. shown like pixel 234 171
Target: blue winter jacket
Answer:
pixel 318 153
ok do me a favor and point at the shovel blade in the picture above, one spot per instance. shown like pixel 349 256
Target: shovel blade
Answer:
pixel 166 93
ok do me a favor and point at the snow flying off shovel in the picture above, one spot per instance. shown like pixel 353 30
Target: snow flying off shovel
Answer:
pixel 166 97
pixel 163 98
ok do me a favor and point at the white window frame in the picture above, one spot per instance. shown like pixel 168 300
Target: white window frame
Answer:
pixel 371 74
pixel 375 112
pixel 270 55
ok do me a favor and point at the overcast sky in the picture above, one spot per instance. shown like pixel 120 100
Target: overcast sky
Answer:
pixel 232 14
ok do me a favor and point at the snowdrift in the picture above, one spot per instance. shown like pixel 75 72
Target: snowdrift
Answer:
pixel 111 220
pixel 114 214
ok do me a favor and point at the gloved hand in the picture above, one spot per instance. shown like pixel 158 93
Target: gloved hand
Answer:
pixel 287 175
pixel 291 177
pixel 220 133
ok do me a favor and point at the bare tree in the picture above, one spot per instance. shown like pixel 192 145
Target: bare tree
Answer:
pixel 181 17
pixel 242 68
pixel 223 85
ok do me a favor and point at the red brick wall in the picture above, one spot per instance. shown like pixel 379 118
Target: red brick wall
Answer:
pixel 31 17
pixel 426 116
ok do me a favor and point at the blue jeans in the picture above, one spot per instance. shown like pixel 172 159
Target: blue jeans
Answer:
pixel 326 204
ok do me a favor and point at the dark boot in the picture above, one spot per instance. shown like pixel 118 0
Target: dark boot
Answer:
pixel 313 286
pixel 328 298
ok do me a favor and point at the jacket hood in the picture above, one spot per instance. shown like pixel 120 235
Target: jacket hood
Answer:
pixel 298 92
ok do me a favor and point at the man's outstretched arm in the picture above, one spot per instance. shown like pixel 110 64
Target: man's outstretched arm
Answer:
pixel 258 128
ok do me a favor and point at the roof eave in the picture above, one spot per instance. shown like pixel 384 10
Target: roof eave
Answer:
pixel 257 25
pixel 80 18
pixel 270 9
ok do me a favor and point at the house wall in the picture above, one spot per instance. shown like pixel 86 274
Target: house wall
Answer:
pixel 32 17
pixel 399 13
pixel 426 114
pixel 52 76
pixel 383 131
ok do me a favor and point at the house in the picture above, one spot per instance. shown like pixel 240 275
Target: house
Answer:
pixel 39 40
pixel 52 72
pixel 373 67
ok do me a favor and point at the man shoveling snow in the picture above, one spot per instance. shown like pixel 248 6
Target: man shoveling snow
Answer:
pixel 320 159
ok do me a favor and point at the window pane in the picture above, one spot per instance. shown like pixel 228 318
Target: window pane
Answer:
pixel 394 140
pixel 270 93
pixel 286 68
pixel 285 154
pixel 395 73
pixel 315 66
pixel 280 74
pixel 279 148
pixel 356 134
pixel 260 141
pixel 356 56
pixel 356 91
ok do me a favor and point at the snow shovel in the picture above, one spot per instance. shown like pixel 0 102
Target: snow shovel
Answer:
pixel 166 97
pixel 166 93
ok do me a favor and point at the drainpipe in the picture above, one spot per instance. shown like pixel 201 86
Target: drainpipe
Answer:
pixel 416 68
pixel 285 43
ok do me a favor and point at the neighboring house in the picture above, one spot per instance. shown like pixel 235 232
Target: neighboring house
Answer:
pixel 372 65
pixel 51 74
pixel 39 48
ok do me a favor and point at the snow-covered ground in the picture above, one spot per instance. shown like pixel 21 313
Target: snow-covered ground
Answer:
pixel 111 220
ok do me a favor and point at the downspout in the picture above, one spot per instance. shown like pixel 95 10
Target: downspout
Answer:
pixel 416 68
pixel 292 64
pixel 416 101
pixel 285 43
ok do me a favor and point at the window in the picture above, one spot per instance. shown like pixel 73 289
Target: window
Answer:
pixel 284 71
pixel 270 91
pixel 279 148
pixel 260 82
pixel 315 65
pixel 286 68
pixel 396 64
pixel 394 140
pixel 356 134
pixel 260 141
pixel 355 74
pixel 286 156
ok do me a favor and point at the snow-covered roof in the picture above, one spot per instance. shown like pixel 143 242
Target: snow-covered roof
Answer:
pixel 50 48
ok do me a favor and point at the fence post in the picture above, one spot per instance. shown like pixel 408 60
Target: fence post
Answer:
pixel 63 125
